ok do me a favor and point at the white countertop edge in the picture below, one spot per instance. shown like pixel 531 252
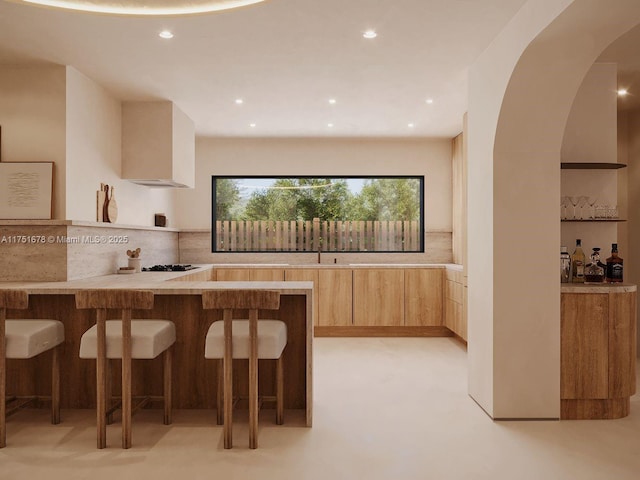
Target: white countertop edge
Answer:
pixel 162 288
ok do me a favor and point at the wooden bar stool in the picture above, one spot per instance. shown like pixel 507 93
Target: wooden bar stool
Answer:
pixel 124 339
pixel 27 338
pixel 251 339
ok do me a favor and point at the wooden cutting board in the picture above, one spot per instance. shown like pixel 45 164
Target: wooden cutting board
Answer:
pixel 112 208
pixel 100 208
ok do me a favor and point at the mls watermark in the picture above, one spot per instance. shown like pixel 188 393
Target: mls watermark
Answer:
pixel 63 239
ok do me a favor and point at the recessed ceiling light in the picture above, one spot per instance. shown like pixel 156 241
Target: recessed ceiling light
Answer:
pixel 332 101
pixel 146 7
pixel 330 125
pixel 622 92
pixel 429 100
pixel 370 34
pixel 410 125
pixel 239 101
pixel 166 34
pixel 252 125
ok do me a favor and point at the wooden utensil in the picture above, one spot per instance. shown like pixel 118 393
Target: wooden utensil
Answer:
pixel 105 207
pixel 113 208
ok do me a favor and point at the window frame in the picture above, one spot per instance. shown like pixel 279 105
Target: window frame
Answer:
pixel 422 216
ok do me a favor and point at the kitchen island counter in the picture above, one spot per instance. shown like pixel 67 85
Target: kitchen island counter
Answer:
pixel 177 299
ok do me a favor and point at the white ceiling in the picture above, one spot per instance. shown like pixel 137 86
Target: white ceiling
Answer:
pixel 285 58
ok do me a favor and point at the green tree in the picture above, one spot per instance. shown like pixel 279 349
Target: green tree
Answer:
pixel 299 199
pixel 227 197
pixel 386 199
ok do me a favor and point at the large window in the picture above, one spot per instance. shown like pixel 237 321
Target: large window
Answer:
pixel 307 214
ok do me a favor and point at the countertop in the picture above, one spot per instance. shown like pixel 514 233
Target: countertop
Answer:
pixel 160 283
pixel 597 287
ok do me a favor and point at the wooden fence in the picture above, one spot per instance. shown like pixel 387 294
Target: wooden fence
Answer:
pixel 310 236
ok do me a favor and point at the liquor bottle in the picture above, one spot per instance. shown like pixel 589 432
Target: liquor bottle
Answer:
pixel 565 265
pixel 614 265
pixel 577 263
pixel 594 272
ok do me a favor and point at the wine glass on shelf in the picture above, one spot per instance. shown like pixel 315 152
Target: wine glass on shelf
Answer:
pixel 582 201
pixel 564 204
pixel 592 210
pixel 574 202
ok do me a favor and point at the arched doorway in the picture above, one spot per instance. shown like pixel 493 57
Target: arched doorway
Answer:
pixel 521 92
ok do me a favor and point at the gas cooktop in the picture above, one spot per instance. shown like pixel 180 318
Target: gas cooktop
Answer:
pixel 180 267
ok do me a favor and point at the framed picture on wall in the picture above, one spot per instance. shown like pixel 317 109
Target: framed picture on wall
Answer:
pixel 26 190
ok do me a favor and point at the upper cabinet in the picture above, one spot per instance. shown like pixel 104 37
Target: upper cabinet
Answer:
pixel 158 145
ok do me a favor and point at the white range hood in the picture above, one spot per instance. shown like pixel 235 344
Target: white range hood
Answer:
pixel 158 145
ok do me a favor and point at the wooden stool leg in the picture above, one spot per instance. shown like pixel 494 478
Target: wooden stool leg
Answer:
pixel 219 394
pixel 167 356
pixel 55 385
pixel 126 378
pixel 108 389
pixel 279 392
pixel 101 360
pixel 228 404
pixel 228 381
pixel 3 381
pixel 253 379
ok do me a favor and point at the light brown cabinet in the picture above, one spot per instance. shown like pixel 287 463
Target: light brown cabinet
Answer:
pixel 306 275
pixel 378 297
pixel 335 297
pixel 423 297
pixel 374 300
pixel 249 274
pixel 454 303
pixel 597 354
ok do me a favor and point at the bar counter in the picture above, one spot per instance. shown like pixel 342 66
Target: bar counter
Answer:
pixel 177 298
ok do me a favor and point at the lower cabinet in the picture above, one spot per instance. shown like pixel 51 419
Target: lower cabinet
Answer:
pixel 455 303
pixel 374 297
pixel 423 305
pixel 378 297
pixel 335 297
pixel 306 275
pixel 597 354
pixel 249 274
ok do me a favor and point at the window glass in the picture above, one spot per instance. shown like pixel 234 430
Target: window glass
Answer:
pixel 304 214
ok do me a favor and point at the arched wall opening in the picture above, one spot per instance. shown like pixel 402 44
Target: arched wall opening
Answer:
pixel 520 94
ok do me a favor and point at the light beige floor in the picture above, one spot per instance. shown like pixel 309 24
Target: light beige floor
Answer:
pixel 384 409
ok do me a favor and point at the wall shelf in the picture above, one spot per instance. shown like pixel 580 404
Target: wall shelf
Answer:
pixel 590 166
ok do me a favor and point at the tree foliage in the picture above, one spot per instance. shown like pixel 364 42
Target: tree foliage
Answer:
pixel 227 198
pixel 323 198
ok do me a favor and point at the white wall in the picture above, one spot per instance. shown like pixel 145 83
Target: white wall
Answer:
pixel 94 156
pixel 32 116
pixel 219 156
pixel 491 269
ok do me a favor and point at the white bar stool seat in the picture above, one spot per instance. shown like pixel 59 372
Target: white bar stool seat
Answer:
pixel 27 338
pixel 272 338
pixel 149 338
